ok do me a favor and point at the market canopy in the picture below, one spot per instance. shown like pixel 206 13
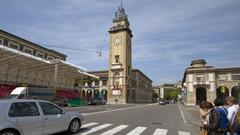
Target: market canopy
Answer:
pixel 56 67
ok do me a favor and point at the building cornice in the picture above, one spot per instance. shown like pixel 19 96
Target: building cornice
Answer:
pixel 31 43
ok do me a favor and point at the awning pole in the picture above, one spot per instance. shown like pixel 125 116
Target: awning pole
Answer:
pixel 55 80
pixel 17 77
pixel 7 74
pixel 81 87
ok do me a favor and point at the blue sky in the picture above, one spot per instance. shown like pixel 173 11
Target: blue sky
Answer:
pixel 168 34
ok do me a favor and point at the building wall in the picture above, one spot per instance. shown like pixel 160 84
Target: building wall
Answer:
pixel 140 90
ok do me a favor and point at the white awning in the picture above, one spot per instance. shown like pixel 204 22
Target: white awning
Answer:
pixel 28 61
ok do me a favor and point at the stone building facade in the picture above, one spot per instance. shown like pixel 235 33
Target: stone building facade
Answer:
pixel 139 92
pixel 202 82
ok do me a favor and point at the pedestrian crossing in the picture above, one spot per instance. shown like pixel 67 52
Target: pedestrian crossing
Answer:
pixel 92 130
pixel 137 131
pixel 96 128
pixel 160 132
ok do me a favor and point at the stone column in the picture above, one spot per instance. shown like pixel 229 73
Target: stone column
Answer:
pixel 191 98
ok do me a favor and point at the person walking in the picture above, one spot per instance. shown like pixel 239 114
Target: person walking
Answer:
pixel 232 112
pixel 223 115
pixel 213 120
pixel 203 114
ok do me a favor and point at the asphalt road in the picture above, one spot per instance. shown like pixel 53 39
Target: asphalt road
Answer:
pixel 151 119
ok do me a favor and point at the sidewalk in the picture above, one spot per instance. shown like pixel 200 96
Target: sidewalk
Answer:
pixel 191 114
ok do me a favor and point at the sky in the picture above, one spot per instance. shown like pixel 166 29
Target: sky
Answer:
pixel 167 34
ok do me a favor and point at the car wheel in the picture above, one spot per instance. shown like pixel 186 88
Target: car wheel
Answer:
pixel 74 126
pixel 9 132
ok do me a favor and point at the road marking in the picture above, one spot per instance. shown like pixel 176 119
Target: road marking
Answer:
pixel 113 110
pixel 183 133
pixel 114 130
pixel 89 125
pixel 160 132
pixel 96 129
pixel 137 131
pixel 183 117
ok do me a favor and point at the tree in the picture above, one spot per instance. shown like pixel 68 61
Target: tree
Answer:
pixel 173 94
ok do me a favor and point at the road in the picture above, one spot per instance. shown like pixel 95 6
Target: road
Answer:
pixel 151 119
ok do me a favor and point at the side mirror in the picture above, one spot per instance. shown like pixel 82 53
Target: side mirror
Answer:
pixel 63 113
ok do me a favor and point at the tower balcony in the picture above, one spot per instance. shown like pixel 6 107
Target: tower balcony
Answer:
pixel 201 83
pixel 116 66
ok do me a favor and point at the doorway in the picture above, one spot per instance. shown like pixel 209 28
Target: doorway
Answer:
pixel 201 95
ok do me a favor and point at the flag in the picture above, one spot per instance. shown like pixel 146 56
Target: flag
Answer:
pixel 222 89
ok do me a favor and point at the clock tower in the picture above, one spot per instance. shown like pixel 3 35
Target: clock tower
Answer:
pixel 120 59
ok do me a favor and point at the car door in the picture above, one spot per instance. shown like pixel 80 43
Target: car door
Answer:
pixel 26 116
pixel 54 118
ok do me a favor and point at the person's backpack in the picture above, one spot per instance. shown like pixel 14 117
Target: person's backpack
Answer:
pixel 223 118
pixel 214 120
pixel 236 127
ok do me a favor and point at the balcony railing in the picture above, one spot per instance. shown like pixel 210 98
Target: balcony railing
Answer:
pixel 116 66
pixel 201 83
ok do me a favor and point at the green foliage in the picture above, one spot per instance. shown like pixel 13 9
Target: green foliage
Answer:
pixel 173 94
pixel 167 96
pixel 168 85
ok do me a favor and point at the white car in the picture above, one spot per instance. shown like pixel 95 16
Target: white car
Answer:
pixel 36 117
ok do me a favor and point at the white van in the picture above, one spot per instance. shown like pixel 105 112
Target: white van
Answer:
pixel 31 93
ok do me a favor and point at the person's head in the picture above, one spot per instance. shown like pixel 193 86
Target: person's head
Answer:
pixel 202 104
pixel 229 101
pixel 207 106
pixel 218 102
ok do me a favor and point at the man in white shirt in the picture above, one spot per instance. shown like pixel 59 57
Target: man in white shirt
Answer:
pixel 232 111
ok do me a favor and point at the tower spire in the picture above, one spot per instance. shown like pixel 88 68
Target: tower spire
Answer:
pixel 120 21
pixel 121 4
pixel 120 14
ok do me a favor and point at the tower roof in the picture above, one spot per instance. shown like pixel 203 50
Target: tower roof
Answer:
pixel 120 14
pixel 120 22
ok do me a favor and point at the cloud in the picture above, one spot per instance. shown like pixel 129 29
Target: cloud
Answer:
pixel 168 35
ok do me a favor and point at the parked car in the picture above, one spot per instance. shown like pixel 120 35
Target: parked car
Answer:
pixel 31 93
pixel 162 102
pixel 36 117
pixel 167 101
pixel 172 101
pixel 96 101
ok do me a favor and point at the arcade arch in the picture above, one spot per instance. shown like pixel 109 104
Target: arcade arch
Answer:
pixel 235 92
pixel 222 92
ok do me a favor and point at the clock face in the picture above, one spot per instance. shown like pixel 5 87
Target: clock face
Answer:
pixel 117 40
